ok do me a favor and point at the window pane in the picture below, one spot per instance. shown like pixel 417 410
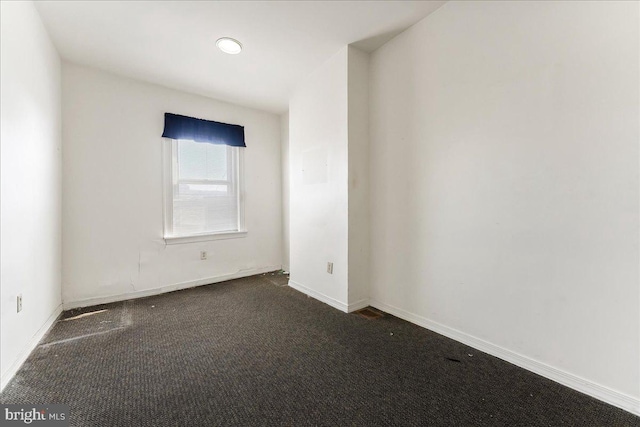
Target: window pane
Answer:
pixel 198 161
pixel 200 206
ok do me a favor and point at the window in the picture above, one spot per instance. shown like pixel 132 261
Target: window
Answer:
pixel 203 191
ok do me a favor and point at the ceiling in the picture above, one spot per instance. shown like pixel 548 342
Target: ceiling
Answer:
pixel 172 43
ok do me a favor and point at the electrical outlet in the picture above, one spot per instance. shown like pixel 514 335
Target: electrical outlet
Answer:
pixel 19 303
pixel 330 267
pixel 203 255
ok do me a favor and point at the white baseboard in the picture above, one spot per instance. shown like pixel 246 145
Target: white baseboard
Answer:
pixel 319 296
pixel 347 308
pixel 68 305
pixel 600 392
pixel 358 305
pixel 32 344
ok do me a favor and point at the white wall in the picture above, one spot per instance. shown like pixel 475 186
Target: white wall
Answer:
pixel 112 204
pixel 284 157
pixel 318 182
pixel 504 175
pixel 31 194
pixel 359 213
pixel 329 182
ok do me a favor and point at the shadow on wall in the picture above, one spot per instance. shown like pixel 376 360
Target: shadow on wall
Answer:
pixel 372 43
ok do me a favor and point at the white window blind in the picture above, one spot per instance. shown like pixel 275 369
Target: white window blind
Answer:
pixel 205 190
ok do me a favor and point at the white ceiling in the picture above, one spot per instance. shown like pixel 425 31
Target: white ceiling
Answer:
pixel 172 43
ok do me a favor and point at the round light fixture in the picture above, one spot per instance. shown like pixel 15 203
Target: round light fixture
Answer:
pixel 229 45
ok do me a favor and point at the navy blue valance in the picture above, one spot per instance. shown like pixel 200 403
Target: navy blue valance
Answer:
pixel 183 127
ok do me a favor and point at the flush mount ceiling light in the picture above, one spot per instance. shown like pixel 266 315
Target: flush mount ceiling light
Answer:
pixel 229 45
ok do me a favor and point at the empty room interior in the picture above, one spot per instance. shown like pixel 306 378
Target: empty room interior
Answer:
pixel 320 213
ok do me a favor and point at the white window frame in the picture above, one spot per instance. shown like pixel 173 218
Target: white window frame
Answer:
pixel 169 179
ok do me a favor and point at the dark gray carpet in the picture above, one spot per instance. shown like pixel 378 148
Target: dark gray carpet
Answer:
pixel 251 352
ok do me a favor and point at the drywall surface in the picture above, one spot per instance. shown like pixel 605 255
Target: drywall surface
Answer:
pixel 504 180
pixel 284 155
pixel 112 204
pixel 359 212
pixel 318 182
pixel 31 189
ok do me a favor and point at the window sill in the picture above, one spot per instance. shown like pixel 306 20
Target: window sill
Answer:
pixel 177 240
